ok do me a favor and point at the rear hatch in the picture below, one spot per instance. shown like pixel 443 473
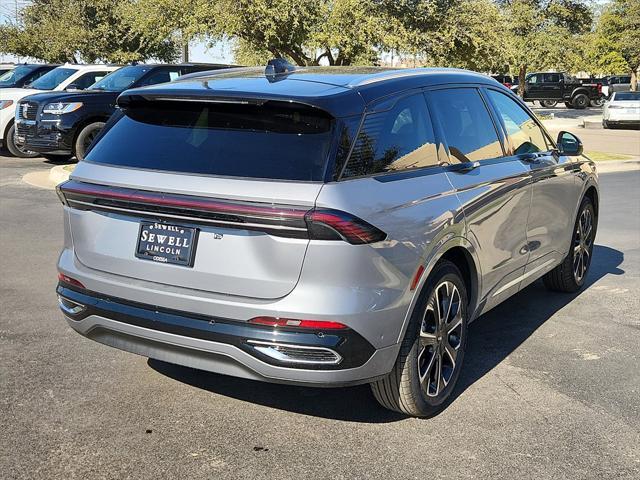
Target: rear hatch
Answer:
pixel 210 196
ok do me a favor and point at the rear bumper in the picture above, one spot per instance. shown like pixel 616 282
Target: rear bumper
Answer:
pixel 221 345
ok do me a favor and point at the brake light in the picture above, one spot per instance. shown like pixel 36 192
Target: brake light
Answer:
pixel 291 322
pixel 325 224
pixel 71 281
pixel 599 88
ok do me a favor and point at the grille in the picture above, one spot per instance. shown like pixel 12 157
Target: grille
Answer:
pixel 27 110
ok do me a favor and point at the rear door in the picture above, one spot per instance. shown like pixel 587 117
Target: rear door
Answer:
pixel 554 186
pixel 203 196
pixel 493 188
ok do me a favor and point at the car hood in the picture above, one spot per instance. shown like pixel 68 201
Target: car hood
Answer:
pixel 17 93
pixel 80 96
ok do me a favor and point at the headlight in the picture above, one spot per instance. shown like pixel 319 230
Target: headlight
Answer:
pixel 61 107
pixel 5 103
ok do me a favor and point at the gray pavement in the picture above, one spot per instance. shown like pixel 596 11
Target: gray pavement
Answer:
pixel 551 386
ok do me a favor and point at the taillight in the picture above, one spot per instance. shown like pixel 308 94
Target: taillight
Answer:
pixel 599 88
pixel 325 224
pixel 276 219
pixel 291 322
pixel 70 281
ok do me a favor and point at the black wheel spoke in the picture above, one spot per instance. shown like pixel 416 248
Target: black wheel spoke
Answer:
pixel 439 339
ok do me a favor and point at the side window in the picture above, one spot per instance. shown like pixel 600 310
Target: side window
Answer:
pixel 524 133
pixel 162 75
pixel 533 79
pixel 467 125
pixel 88 79
pixel 397 139
pixel 552 77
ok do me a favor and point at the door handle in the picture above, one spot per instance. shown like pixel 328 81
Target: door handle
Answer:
pixel 529 158
pixel 466 167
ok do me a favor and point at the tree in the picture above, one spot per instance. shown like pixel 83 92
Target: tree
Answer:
pixel 88 30
pixel 615 44
pixel 545 33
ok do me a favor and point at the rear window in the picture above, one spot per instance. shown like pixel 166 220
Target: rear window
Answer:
pixel 275 140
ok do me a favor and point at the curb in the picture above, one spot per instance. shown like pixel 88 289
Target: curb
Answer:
pixel 618 166
pixel 592 124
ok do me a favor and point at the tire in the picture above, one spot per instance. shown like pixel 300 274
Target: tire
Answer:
pixel 568 104
pixel 85 137
pixel 14 149
pixel 56 158
pixel 570 275
pixel 598 102
pixel 580 101
pixel 424 351
pixel 548 103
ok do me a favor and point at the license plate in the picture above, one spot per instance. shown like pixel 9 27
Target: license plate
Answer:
pixel 165 243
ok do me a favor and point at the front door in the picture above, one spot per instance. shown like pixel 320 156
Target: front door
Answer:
pixel 551 217
pixel 493 189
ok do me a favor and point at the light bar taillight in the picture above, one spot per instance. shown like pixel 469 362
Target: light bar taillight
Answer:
pixel 324 224
pixel 291 322
pixel 277 219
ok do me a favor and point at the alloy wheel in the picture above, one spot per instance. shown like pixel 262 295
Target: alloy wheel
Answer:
pixel 582 245
pixel 440 338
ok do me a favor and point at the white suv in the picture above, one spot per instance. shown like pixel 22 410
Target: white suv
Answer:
pixel 65 77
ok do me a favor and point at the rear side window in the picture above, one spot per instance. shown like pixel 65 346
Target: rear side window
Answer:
pixel 524 133
pixel 275 140
pixel 467 125
pixel 552 77
pixel 397 139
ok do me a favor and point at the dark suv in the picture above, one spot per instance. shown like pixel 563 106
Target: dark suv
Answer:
pixel 63 124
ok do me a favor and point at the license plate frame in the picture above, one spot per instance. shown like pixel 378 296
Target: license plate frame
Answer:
pixel 157 247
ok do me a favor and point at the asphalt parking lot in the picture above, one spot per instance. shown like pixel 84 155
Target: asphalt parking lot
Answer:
pixel 550 389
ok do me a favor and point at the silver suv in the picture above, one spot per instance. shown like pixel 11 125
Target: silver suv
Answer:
pixel 321 226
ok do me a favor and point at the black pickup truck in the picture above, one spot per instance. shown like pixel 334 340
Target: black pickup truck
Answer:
pixel 550 88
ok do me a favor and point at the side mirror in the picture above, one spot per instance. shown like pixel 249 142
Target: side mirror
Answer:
pixel 72 86
pixel 569 144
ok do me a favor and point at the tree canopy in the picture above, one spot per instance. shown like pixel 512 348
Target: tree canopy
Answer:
pixel 87 30
pixel 499 36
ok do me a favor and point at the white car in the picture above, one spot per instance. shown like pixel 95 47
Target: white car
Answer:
pixel 64 77
pixel 623 108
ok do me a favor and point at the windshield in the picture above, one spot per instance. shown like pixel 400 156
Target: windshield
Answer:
pixel 52 79
pixel 121 79
pixel 627 96
pixel 276 140
pixel 12 77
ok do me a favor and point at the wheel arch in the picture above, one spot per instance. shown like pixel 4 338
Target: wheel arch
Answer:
pixel 593 195
pixel 578 91
pixel 461 253
pixel 7 128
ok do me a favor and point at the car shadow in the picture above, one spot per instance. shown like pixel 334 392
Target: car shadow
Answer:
pixel 486 349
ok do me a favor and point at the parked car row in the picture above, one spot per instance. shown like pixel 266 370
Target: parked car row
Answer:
pixel 57 111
